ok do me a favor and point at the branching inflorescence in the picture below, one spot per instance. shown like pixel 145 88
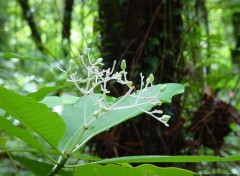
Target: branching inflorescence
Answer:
pixel 97 77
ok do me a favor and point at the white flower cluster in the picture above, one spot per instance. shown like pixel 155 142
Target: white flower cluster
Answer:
pixel 97 77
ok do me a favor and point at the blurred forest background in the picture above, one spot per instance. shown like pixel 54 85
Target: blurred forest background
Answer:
pixel 184 41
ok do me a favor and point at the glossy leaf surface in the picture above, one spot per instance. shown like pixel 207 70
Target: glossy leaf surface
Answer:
pixel 34 115
pixel 73 114
pixel 121 170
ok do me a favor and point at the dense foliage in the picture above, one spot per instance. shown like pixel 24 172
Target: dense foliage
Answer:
pixel 187 41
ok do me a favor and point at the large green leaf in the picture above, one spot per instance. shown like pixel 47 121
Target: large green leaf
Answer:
pixel 37 116
pixel 22 134
pixel 73 114
pixel 38 168
pixel 121 170
pixel 52 101
pixel 169 159
pixel 43 92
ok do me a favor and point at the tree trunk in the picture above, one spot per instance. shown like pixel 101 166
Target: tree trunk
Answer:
pixel 66 25
pixel 28 16
pixel 236 50
pixel 147 34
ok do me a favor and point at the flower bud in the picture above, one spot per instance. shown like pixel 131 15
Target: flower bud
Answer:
pixel 162 88
pixel 96 113
pixel 165 118
pixel 118 76
pixel 151 78
pixel 123 64
pixel 148 80
pixel 104 109
pixel 99 60
pixel 129 83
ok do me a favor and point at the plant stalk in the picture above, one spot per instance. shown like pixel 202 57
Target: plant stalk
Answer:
pixel 58 166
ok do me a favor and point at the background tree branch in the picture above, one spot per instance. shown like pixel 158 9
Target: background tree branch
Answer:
pixel 28 16
pixel 66 25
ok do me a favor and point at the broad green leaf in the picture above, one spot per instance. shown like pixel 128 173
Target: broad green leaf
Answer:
pixel 38 168
pixel 168 171
pixel 18 56
pixel 43 92
pixel 169 159
pixel 52 101
pixel 122 170
pixel 20 133
pixel 73 114
pixel 37 116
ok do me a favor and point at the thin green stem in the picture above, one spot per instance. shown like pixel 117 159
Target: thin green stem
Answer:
pixel 74 148
pixel 45 152
pixel 11 159
pixel 62 160
pixel 59 166
pixel 131 106
pixel 122 99
pixel 85 111
pixel 50 158
pixel 73 166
